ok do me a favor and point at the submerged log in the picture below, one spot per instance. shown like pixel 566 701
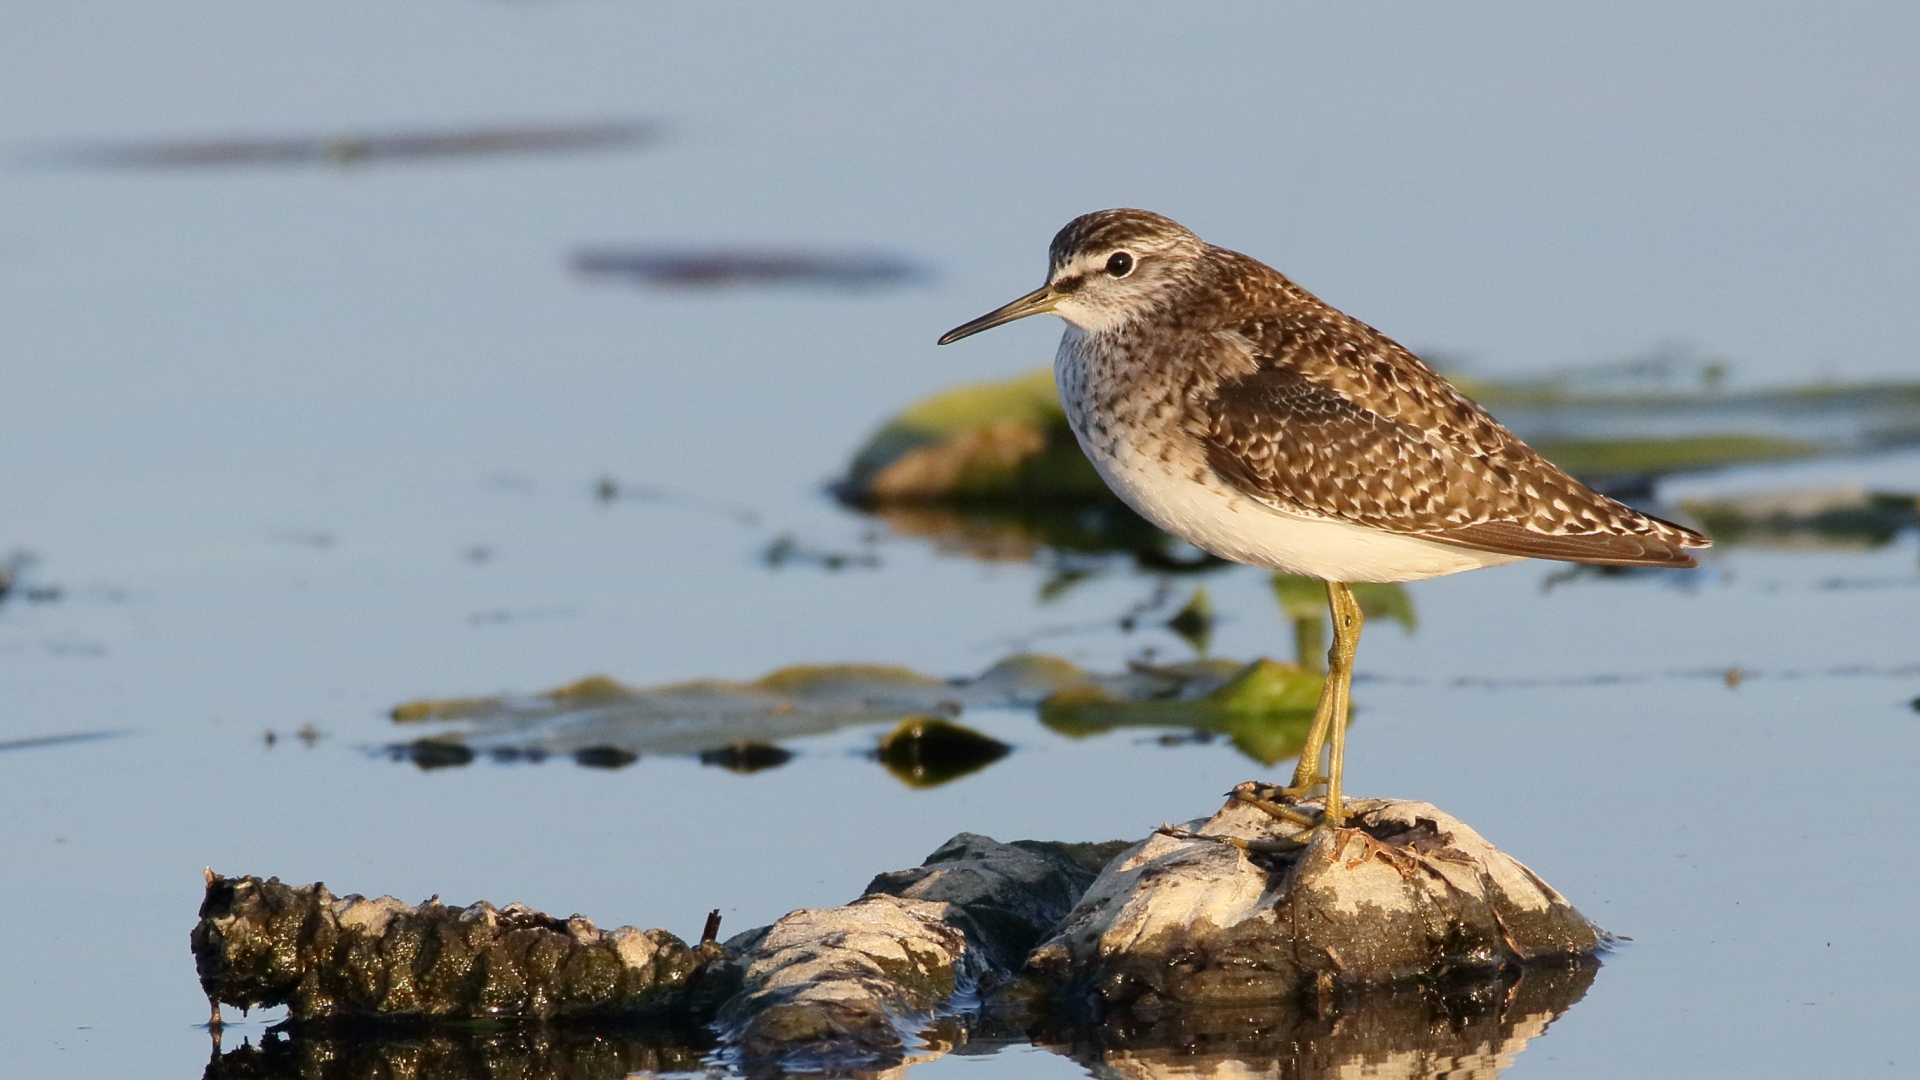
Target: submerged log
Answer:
pixel 1406 915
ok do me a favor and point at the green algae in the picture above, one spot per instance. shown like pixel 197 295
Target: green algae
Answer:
pixel 827 679
pixel 1264 710
pixel 1687 453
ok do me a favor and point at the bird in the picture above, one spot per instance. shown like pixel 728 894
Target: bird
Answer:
pixel 1238 411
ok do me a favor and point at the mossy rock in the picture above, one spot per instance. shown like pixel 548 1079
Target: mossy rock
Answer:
pixel 981 442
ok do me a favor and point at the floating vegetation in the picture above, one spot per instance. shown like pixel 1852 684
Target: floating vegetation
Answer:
pixel 1848 516
pixel 714 269
pixel 1264 707
pixel 349 149
pixel 1597 459
pixel 1612 424
pixel 600 723
pixel 1303 600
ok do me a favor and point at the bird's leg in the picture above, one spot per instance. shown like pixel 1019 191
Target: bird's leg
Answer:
pixel 1307 773
pixel 1347 622
pixel 1330 716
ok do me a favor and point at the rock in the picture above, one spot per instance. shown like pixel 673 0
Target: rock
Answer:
pixel 1406 892
pixel 264 943
pixel 1404 944
pixel 844 987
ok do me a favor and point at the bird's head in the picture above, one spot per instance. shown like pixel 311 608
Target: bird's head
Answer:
pixel 1105 269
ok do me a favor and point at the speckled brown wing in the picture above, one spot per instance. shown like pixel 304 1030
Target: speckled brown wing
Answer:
pixel 1443 470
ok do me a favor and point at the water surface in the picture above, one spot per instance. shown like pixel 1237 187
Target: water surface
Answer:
pixel 297 445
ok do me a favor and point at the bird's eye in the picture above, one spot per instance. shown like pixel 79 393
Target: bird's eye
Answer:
pixel 1119 264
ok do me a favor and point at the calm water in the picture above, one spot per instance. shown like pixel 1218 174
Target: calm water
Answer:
pixel 295 444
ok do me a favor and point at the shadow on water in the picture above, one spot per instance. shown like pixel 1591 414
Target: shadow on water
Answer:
pixel 724 268
pixel 1468 1026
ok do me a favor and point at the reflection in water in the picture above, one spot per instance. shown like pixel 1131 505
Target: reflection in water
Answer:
pixel 355 149
pixel 1471 1028
pixel 1467 1027
pixel 533 1052
pixel 1265 709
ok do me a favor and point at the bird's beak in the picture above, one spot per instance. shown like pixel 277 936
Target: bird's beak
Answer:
pixel 1038 302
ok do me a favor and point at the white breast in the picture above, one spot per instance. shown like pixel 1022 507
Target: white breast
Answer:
pixel 1163 474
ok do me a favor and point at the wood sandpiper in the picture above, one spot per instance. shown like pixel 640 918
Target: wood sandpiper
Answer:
pixel 1241 413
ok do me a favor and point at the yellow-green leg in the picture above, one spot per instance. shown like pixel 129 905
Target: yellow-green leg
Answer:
pixel 1329 730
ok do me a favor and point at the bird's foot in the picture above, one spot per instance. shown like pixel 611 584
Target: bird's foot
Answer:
pixel 1276 802
pixel 1276 846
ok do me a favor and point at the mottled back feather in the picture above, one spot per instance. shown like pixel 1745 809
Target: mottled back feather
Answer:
pixel 1334 419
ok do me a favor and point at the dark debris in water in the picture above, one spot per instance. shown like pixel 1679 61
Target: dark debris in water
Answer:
pixel 745 756
pixel 927 751
pixel 736 268
pixel 14 583
pixel 355 148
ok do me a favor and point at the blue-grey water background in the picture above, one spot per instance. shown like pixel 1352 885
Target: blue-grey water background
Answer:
pixel 255 421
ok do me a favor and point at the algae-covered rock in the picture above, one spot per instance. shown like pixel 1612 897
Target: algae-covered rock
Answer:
pixel 999 441
pixel 264 943
pixel 1405 892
